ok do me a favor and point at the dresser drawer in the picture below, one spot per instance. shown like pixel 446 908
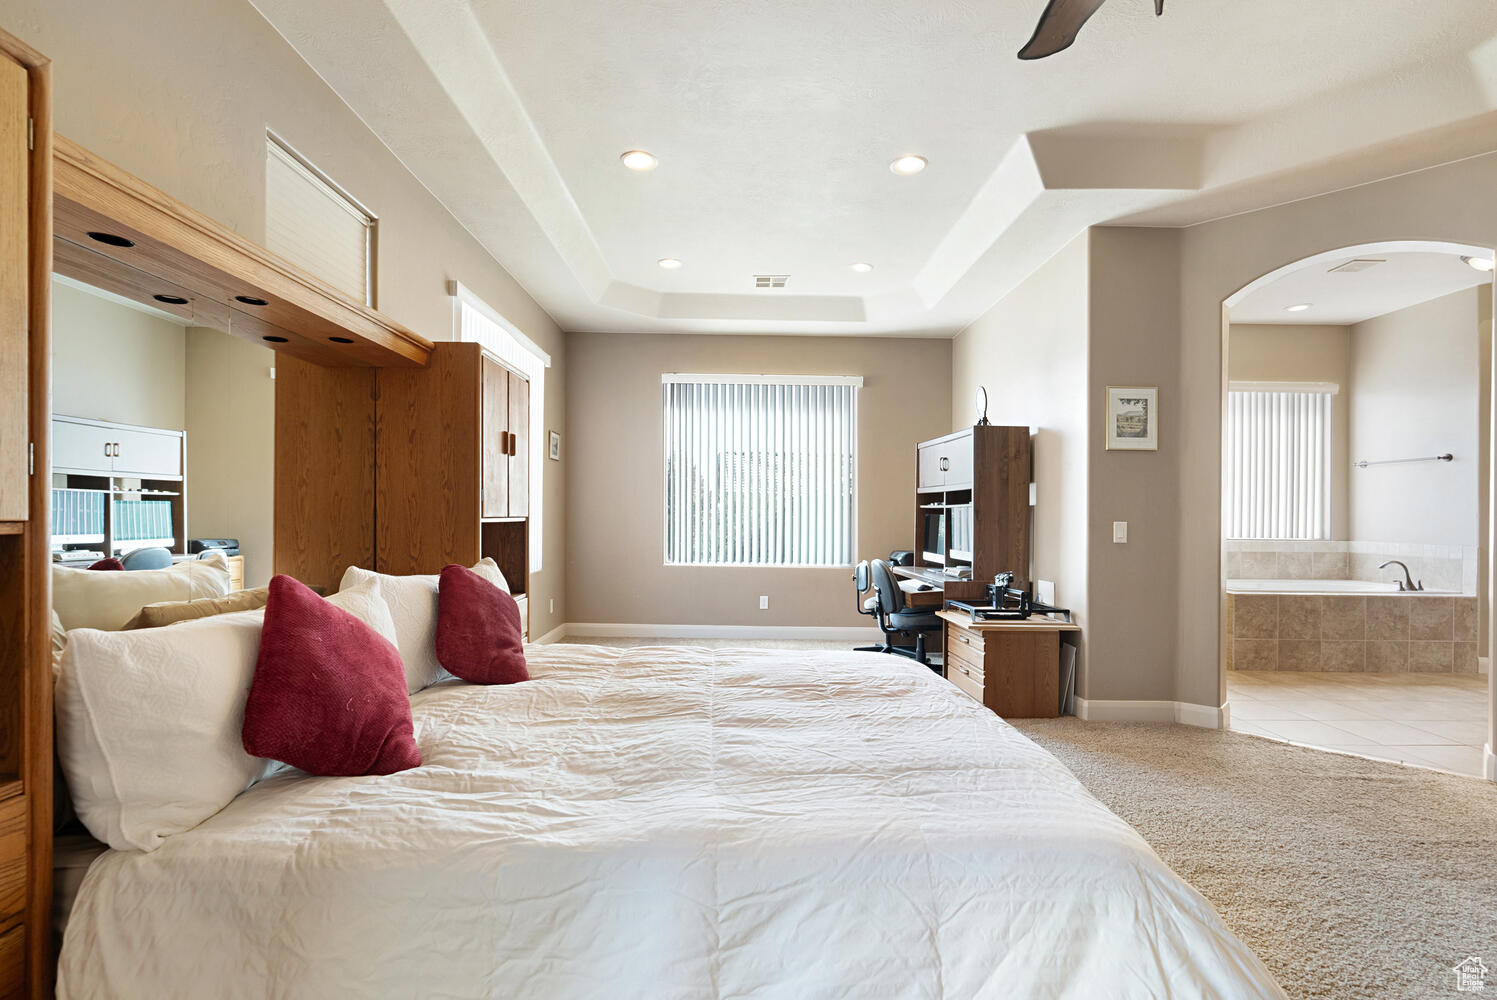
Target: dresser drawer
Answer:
pixel 966 640
pixel 967 680
pixel 12 857
pixel 969 659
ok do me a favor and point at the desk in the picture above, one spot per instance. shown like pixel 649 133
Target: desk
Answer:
pixel 911 578
pixel 1011 667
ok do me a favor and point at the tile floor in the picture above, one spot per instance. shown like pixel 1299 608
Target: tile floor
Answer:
pixel 1429 720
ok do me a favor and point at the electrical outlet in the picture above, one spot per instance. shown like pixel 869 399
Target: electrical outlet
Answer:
pixel 1120 532
pixel 764 602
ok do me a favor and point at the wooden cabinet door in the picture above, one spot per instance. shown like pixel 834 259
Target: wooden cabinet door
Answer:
pixel 14 296
pixel 148 454
pixel 519 459
pixel 495 483
pixel 931 468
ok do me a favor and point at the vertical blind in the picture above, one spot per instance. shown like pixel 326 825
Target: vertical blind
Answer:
pixel 476 323
pixel 760 471
pixel 316 226
pixel 1277 464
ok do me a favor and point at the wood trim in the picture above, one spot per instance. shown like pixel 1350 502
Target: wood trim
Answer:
pixel 190 250
pixel 36 773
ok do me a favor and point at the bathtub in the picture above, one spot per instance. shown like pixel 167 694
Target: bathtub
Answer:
pixel 1313 587
pixel 1348 625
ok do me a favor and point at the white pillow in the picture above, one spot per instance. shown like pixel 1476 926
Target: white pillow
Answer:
pixel 413 605
pixel 149 722
pixel 105 599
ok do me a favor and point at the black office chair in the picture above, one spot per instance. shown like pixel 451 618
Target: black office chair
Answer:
pixel 151 557
pixel 863 579
pixel 893 618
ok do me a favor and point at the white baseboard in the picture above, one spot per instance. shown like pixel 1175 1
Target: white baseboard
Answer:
pixel 1491 764
pixel 553 635
pixel 612 630
pixel 1093 710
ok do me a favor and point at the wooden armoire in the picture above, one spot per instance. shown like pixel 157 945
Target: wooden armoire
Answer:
pixel 25 566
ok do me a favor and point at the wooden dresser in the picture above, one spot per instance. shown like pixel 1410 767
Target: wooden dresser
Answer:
pixel 1011 667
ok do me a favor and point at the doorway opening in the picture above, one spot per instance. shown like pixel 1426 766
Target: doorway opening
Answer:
pixel 1356 503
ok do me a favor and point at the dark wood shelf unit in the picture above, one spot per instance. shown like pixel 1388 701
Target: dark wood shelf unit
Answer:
pixel 988 469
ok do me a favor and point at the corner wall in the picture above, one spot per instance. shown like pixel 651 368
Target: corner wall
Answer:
pixel 1030 352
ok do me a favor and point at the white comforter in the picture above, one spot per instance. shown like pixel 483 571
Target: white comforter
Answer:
pixel 663 823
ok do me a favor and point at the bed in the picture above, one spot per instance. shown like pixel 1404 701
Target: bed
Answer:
pixel 666 822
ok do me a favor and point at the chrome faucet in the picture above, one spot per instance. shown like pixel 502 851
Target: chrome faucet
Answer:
pixel 1402 585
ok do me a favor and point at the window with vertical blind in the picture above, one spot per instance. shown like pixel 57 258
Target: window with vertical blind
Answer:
pixel 315 224
pixel 760 470
pixel 1277 461
pixel 476 321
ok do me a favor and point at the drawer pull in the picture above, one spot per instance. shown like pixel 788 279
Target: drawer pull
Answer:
pixel 965 639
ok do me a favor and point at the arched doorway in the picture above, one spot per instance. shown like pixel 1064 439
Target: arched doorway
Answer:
pixel 1320 646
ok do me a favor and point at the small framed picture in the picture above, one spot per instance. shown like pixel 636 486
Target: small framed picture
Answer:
pixel 554 452
pixel 1132 418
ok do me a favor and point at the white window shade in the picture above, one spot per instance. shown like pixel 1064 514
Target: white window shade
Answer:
pixel 479 323
pixel 760 470
pixel 1277 462
pixel 315 225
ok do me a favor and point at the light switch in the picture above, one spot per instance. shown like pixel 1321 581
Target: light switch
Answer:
pixel 764 602
pixel 1120 532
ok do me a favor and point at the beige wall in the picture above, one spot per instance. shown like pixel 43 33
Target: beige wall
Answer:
pixel 230 402
pixel 1288 353
pixel 114 362
pixel 615 518
pixel 1416 375
pixel 185 104
pixel 1134 297
pixel 1030 352
pixel 1220 258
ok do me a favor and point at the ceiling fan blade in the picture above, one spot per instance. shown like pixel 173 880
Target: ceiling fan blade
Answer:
pixel 1059 26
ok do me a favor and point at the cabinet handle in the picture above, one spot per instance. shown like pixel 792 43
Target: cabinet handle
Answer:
pixel 965 639
pixel 106 449
pixel 116 449
pixel 514 444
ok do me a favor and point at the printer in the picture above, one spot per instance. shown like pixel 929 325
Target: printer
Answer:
pixel 198 546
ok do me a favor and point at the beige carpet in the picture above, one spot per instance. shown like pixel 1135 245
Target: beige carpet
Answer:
pixel 1351 878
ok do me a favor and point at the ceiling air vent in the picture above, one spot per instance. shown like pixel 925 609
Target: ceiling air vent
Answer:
pixel 770 280
pixel 1353 266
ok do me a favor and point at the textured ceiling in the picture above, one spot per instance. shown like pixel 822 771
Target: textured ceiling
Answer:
pixel 775 123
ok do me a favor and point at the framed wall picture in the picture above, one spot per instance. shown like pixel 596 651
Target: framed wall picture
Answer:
pixel 554 451
pixel 1132 418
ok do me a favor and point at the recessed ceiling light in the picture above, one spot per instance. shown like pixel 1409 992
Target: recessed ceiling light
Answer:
pixel 669 263
pixel 907 166
pixel 638 159
pixel 861 267
pixel 1480 263
pixel 1299 308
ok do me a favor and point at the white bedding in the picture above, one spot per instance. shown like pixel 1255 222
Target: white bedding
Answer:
pixel 667 823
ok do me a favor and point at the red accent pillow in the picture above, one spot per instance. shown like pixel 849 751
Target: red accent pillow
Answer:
pixel 478 629
pixel 329 693
pixel 110 563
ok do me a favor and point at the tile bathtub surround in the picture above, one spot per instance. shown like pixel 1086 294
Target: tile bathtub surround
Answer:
pixel 1393 634
pixel 1440 567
